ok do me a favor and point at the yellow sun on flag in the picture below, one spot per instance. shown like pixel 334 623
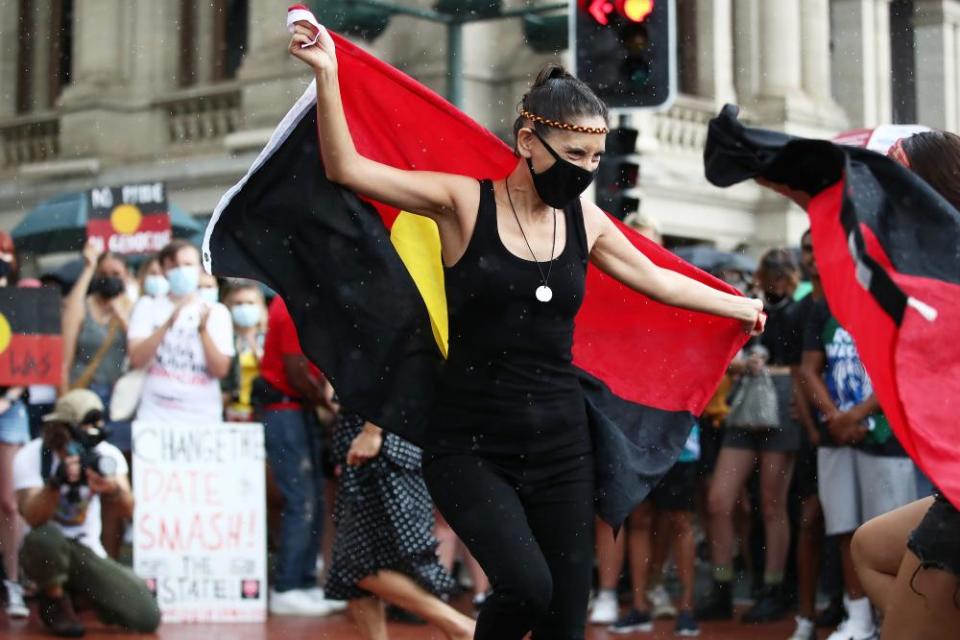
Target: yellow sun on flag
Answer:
pixel 126 218
pixel 5 333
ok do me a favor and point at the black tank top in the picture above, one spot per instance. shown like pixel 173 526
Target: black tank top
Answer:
pixel 509 385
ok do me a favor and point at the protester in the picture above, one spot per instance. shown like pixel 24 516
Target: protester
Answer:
pixel 62 480
pixel 862 470
pixel 14 432
pixel 289 390
pixel 773 448
pixel 245 301
pixel 384 549
pixel 150 278
pixel 646 225
pixel 184 343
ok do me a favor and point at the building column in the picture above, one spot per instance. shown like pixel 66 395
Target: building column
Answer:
pixel 715 58
pixel 862 70
pixel 8 58
pixel 937 36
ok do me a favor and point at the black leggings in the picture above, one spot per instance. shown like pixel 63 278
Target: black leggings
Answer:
pixel 529 523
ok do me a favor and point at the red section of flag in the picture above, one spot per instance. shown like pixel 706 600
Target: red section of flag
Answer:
pixel 152 235
pixel 31 358
pixel 648 353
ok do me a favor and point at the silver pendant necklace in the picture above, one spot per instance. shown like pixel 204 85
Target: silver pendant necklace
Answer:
pixel 543 293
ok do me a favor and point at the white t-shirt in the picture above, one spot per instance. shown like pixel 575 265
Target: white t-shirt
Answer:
pixel 79 519
pixel 178 385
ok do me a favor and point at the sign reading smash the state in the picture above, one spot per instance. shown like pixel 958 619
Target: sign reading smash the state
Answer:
pixel 200 520
pixel 31 349
pixel 130 219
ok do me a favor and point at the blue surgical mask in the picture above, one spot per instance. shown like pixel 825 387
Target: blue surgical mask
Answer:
pixel 156 286
pixel 184 280
pixel 246 315
pixel 210 295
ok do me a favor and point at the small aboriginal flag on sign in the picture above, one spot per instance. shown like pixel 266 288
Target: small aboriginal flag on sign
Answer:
pixel 31 349
pixel 130 219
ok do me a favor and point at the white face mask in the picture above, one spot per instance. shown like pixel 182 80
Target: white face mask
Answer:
pixel 210 295
pixel 156 286
pixel 184 280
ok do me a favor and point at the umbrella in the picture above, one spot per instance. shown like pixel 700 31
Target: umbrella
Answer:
pixel 60 224
pixel 878 139
pixel 709 259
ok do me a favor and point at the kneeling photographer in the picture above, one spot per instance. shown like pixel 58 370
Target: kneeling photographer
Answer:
pixel 60 480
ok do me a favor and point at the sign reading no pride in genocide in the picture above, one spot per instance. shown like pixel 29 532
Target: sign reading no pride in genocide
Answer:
pixel 200 519
pixel 130 219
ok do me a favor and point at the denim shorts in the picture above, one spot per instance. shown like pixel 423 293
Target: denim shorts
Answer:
pixel 935 541
pixel 15 425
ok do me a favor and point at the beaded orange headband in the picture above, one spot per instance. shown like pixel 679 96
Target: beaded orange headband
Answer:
pixel 561 125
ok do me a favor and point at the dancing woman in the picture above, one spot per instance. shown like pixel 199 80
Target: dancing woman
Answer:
pixel 510 463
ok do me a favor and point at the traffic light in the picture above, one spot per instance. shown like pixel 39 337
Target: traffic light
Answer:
pixel 618 173
pixel 343 16
pixel 625 51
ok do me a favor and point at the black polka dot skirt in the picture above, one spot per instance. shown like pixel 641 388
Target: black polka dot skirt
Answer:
pixel 384 518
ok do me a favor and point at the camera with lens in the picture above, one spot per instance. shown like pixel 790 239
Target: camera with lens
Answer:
pixel 82 442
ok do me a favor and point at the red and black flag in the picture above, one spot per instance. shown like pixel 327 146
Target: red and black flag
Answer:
pixel 364 282
pixel 888 252
pixel 130 219
pixel 31 349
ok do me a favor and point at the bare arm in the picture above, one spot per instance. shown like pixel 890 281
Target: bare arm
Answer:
pixel 142 350
pixel 616 256
pixel 435 195
pixel 74 310
pixel 37 505
pixel 218 363
pixel 811 376
pixel 115 489
pixel 297 368
pixel 804 415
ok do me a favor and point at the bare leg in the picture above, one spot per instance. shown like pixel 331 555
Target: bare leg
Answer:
pixel 878 547
pixel 10 528
pixel 809 551
pixel 641 521
pixel 733 468
pixel 447 539
pixel 370 618
pixel 776 471
pixel 926 603
pixel 685 551
pixel 481 585
pixel 399 590
pixel 661 537
pixel 610 554
pixel 850 579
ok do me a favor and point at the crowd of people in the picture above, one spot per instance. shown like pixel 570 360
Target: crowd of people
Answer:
pixel 756 501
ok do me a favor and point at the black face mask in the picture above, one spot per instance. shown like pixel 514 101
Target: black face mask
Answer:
pixel 562 183
pixel 774 299
pixel 108 287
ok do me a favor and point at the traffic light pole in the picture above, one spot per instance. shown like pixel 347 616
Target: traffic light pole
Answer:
pixel 454 25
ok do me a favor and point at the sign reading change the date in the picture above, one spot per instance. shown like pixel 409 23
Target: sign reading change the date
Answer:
pixel 130 219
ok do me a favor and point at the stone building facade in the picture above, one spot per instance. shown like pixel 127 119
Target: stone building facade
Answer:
pixel 98 92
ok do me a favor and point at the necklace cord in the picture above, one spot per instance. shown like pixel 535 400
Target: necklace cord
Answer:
pixel 553 248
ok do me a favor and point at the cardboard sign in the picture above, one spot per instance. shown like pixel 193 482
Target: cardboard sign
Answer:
pixel 130 219
pixel 200 536
pixel 31 348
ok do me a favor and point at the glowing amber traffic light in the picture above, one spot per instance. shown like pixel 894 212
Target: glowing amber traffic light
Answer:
pixel 635 10
pixel 632 10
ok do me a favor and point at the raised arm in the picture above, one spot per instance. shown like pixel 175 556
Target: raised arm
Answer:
pixel 435 195
pixel 74 310
pixel 616 256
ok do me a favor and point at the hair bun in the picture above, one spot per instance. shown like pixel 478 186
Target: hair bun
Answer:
pixel 549 72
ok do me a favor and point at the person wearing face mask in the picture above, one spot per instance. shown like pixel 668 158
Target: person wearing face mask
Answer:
pixel 775 450
pixel 151 279
pixel 245 301
pixel 184 343
pixel 510 463
pixel 209 289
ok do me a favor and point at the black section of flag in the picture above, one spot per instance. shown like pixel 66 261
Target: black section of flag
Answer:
pixel 327 253
pixel 31 311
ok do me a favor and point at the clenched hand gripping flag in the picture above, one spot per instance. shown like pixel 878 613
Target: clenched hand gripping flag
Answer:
pixel 364 283
pixel 888 252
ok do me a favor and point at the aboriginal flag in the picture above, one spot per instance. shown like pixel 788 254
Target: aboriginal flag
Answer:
pixel 364 283
pixel 888 252
pixel 31 349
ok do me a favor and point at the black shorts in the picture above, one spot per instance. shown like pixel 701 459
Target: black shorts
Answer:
pixel 936 540
pixel 677 490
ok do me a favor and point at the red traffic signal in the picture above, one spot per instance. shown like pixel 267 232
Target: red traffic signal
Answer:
pixel 632 10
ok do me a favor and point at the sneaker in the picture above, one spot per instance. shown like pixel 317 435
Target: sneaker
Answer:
pixel 16 607
pixel 769 607
pixel 316 594
pixel 806 630
pixel 832 615
pixel 660 601
pixel 718 605
pixel 850 630
pixel 686 626
pixel 632 621
pixel 605 608
pixel 58 615
pixel 297 602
